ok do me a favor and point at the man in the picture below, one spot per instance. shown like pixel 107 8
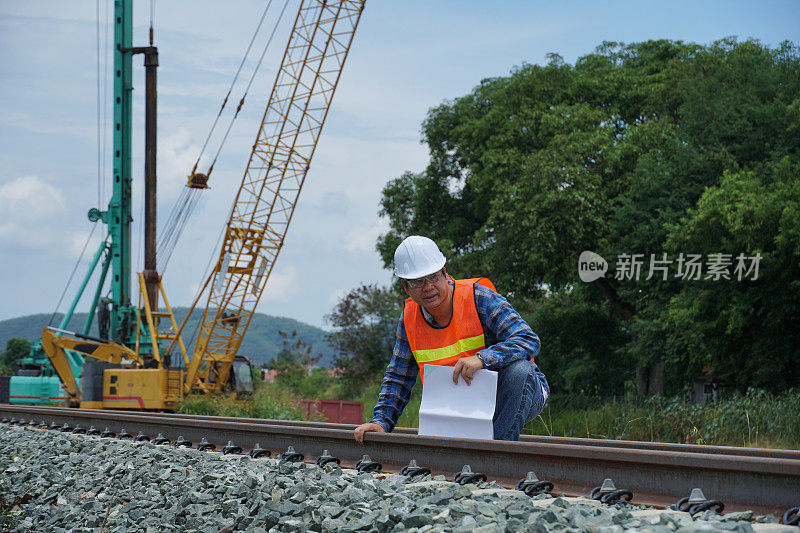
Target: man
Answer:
pixel 464 324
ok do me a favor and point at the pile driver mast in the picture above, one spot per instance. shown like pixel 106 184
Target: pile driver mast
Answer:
pixel 118 217
pixel 119 323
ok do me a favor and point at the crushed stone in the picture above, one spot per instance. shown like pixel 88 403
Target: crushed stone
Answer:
pixel 81 483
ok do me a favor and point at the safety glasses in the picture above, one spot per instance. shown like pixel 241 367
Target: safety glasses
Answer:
pixel 420 282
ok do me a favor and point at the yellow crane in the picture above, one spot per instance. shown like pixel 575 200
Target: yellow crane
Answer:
pixel 276 171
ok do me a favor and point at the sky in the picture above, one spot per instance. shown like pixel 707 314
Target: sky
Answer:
pixel 407 57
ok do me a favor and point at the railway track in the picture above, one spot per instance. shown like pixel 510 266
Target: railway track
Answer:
pixel 765 481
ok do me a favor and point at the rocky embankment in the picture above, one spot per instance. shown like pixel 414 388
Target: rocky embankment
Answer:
pixel 52 481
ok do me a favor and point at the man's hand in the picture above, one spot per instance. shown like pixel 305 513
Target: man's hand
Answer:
pixel 363 428
pixel 465 367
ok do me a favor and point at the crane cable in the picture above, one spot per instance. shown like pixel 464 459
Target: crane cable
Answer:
pixel 230 89
pixel 206 273
pixel 252 77
pixel 209 266
pixel 72 274
pixel 102 100
pixel 101 126
pixel 99 111
pixel 188 199
pixel 176 223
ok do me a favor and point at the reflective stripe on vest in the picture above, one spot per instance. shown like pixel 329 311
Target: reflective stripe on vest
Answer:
pixel 463 345
pixel 463 337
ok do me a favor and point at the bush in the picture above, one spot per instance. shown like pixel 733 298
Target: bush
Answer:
pixel 268 402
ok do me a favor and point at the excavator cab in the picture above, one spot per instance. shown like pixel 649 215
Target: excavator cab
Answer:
pixel 242 376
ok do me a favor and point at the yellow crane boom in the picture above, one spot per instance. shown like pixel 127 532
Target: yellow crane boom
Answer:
pixel 279 162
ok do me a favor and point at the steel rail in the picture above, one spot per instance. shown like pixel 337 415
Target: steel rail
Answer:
pixel 665 446
pixel 760 480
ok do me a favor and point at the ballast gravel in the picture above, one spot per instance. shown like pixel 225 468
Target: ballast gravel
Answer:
pixel 80 483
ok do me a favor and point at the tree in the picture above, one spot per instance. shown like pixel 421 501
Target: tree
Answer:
pixel 16 348
pixel 364 326
pixel 294 362
pixel 588 359
pixel 610 154
pixel 744 330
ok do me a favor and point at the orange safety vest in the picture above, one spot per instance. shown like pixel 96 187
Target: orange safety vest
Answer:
pixel 463 337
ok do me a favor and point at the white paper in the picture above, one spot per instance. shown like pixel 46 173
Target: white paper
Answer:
pixel 450 410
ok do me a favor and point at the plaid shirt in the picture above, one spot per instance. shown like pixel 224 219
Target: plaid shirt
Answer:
pixel 508 338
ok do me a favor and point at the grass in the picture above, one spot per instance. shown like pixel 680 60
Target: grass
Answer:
pixel 408 418
pixel 269 401
pixel 757 419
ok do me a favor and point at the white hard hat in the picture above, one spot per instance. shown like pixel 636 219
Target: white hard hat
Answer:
pixel 416 257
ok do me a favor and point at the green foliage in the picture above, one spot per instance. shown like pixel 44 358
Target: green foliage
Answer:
pixel 746 332
pixel 646 148
pixel 16 348
pixel 315 385
pixel 268 402
pixel 368 395
pixel 295 363
pixel 589 359
pixel 364 324
pixel 757 418
pixel 754 419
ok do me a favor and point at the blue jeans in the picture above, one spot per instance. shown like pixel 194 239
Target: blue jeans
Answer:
pixel 522 393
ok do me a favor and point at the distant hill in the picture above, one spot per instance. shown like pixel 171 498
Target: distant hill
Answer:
pixel 261 343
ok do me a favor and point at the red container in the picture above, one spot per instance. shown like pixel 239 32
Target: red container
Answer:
pixel 338 411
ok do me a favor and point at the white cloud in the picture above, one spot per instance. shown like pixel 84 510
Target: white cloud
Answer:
pixel 177 153
pixel 336 295
pixel 29 198
pixel 31 212
pixel 74 127
pixel 77 241
pixel 280 285
pixel 362 238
